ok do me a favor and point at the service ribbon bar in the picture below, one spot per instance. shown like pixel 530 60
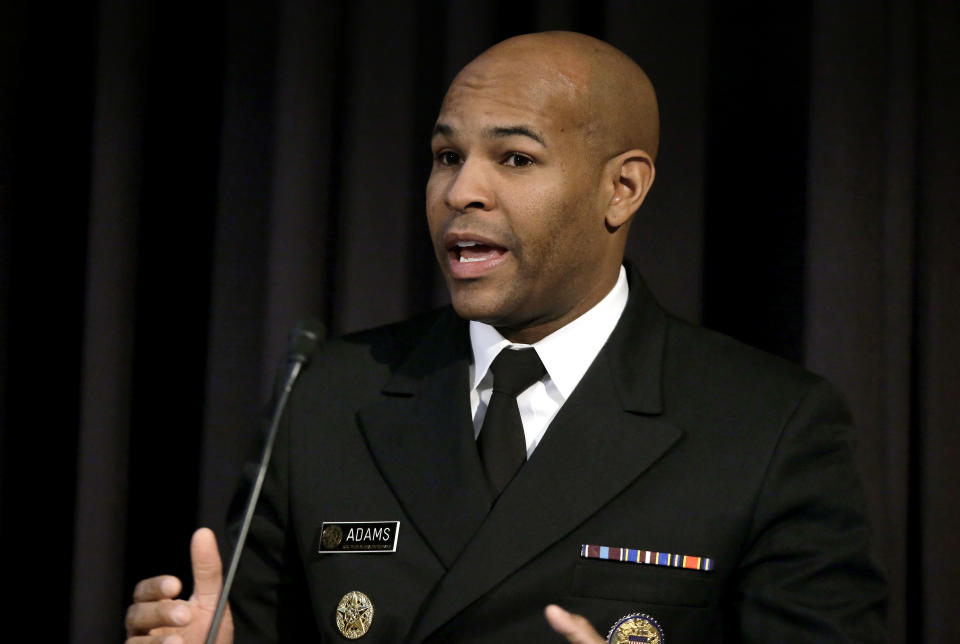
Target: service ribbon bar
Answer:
pixel 647 557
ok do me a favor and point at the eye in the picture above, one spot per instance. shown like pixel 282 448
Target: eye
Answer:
pixel 517 160
pixel 446 157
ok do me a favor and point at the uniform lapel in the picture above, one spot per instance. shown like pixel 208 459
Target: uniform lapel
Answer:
pixel 421 437
pixel 604 437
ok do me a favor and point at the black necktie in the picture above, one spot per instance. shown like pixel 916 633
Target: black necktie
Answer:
pixel 503 448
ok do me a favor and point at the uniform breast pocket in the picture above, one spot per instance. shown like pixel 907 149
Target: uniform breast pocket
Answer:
pixel 646 584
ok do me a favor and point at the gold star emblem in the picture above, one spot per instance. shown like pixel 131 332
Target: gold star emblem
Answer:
pixel 354 615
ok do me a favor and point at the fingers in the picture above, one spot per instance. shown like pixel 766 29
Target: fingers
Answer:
pixel 145 616
pixel 156 588
pixel 207 568
pixel 574 627
pixel 156 617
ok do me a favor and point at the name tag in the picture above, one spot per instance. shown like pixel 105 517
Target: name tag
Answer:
pixel 358 536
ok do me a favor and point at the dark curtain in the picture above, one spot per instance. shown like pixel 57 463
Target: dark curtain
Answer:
pixel 180 183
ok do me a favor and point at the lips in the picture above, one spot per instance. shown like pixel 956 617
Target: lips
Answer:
pixel 472 251
pixel 471 257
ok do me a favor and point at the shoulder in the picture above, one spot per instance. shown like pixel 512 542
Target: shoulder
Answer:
pixel 700 356
pixel 701 373
pixel 367 359
pixel 713 381
pixel 390 343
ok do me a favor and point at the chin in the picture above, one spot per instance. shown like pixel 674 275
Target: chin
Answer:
pixel 472 305
pixel 473 311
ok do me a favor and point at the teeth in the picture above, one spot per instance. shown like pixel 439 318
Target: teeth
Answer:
pixel 466 244
pixel 466 260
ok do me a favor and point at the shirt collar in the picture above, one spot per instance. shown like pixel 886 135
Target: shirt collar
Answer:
pixel 567 352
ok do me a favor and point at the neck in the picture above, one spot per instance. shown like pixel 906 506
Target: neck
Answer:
pixel 537 330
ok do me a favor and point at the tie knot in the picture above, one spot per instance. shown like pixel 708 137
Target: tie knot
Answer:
pixel 515 370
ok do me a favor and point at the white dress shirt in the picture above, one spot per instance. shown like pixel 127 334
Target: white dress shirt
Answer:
pixel 566 354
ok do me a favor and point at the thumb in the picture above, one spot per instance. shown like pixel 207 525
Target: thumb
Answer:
pixel 207 569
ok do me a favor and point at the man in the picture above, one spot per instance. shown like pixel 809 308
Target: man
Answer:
pixel 675 483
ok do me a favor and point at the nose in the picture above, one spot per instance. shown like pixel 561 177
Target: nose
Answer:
pixel 469 189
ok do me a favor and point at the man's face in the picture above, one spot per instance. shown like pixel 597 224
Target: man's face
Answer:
pixel 514 201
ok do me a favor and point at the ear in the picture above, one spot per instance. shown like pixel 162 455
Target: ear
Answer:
pixel 632 174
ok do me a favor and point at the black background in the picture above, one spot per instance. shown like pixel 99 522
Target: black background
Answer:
pixel 180 183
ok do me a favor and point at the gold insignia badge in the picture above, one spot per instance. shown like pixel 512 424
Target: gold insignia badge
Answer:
pixel 354 615
pixel 637 627
pixel 331 536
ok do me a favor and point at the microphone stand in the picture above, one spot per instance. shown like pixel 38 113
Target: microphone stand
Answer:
pixel 303 342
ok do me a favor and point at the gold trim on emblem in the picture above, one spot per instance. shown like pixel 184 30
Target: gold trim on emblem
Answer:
pixel 637 627
pixel 354 615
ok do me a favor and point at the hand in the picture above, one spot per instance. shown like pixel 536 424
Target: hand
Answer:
pixel 157 617
pixel 574 627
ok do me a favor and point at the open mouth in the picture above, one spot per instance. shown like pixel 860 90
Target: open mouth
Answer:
pixel 468 252
pixel 473 258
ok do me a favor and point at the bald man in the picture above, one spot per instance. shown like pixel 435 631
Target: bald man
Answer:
pixel 670 483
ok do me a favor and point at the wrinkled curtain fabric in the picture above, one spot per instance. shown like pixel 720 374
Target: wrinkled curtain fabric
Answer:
pixel 177 190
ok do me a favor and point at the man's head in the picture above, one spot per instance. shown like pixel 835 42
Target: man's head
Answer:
pixel 543 150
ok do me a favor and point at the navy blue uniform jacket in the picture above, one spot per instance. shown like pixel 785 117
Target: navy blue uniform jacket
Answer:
pixel 677 440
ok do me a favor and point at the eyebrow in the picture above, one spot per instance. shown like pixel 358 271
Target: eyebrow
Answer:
pixel 513 130
pixel 495 132
pixel 442 128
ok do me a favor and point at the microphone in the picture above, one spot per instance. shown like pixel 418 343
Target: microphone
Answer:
pixel 304 340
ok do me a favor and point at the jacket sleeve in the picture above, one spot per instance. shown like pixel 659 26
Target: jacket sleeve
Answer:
pixel 806 574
